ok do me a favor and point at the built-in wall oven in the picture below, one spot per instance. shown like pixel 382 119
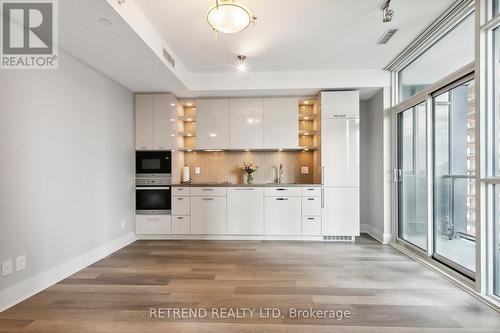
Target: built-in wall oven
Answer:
pixel 153 196
pixel 153 182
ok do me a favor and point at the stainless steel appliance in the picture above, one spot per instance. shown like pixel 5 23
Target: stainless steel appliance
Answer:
pixel 153 164
pixel 153 196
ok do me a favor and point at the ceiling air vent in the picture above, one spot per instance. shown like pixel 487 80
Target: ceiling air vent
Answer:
pixel 169 58
pixel 386 36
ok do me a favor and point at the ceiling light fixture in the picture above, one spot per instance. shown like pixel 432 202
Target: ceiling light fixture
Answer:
pixel 387 13
pixel 241 66
pixel 228 17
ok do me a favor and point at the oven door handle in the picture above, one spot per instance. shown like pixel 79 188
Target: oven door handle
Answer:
pixel 153 188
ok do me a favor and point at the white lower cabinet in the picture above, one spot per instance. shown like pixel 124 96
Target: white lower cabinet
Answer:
pixel 181 206
pixel 311 225
pixel 340 213
pixel 181 225
pixel 208 216
pixel 311 206
pixel 283 216
pixel 245 211
pixel 153 224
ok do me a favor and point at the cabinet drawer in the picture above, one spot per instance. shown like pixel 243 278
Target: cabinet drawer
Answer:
pixel 311 191
pixel 208 191
pixel 311 225
pixel 153 224
pixel 181 225
pixel 282 191
pixel 181 206
pixel 311 206
pixel 180 191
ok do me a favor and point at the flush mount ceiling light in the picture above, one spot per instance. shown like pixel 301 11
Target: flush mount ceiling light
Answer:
pixel 228 17
pixel 387 13
pixel 241 67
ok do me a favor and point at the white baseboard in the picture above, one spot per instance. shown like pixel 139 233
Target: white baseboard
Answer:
pixel 384 238
pixel 230 237
pixel 29 287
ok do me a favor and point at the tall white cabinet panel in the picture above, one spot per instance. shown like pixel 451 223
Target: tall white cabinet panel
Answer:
pixel 281 124
pixel 163 127
pixel 245 211
pixel 283 216
pixel 340 104
pixel 208 215
pixel 246 123
pixel 341 211
pixel 340 152
pixel 212 123
pixel 143 122
pixel 340 163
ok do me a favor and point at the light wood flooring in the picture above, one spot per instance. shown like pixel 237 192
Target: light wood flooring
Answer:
pixel 383 290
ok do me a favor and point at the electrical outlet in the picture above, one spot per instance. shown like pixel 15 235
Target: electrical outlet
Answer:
pixel 20 263
pixel 124 223
pixel 304 170
pixel 7 268
pixel 197 171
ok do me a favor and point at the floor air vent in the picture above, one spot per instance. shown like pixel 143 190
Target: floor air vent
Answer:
pixel 386 36
pixel 339 238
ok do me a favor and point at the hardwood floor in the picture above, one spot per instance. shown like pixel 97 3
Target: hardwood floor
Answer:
pixel 375 287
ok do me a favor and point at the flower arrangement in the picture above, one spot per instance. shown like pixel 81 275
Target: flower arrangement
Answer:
pixel 249 168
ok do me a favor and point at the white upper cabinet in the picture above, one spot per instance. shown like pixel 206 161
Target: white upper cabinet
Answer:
pixel 164 129
pixel 281 125
pixel 154 128
pixel 143 122
pixel 212 124
pixel 340 104
pixel 246 123
pixel 340 152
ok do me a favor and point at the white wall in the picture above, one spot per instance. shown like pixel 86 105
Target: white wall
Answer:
pixel 376 170
pixel 66 170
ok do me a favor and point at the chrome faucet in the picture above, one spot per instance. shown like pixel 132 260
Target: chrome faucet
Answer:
pixel 280 173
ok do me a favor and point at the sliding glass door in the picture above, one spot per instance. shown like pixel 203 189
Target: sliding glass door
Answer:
pixel 412 176
pixel 454 177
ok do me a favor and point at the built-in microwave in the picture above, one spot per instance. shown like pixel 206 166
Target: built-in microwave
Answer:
pixel 153 163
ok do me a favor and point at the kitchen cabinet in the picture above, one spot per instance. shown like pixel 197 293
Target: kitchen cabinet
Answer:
pixel 281 124
pixel 153 224
pixel 181 206
pixel 340 104
pixel 311 225
pixel 208 215
pixel 246 130
pixel 163 126
pixel 340 152
pixel 245 211
pixel 143 122
pixel 153 125
pixel 283 216
pixel 181 225
pixel 340 213
pixel 287 191
pixel 311 206
pixel 212 124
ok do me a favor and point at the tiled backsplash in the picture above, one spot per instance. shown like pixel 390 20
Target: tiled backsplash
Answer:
pixel 225 166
